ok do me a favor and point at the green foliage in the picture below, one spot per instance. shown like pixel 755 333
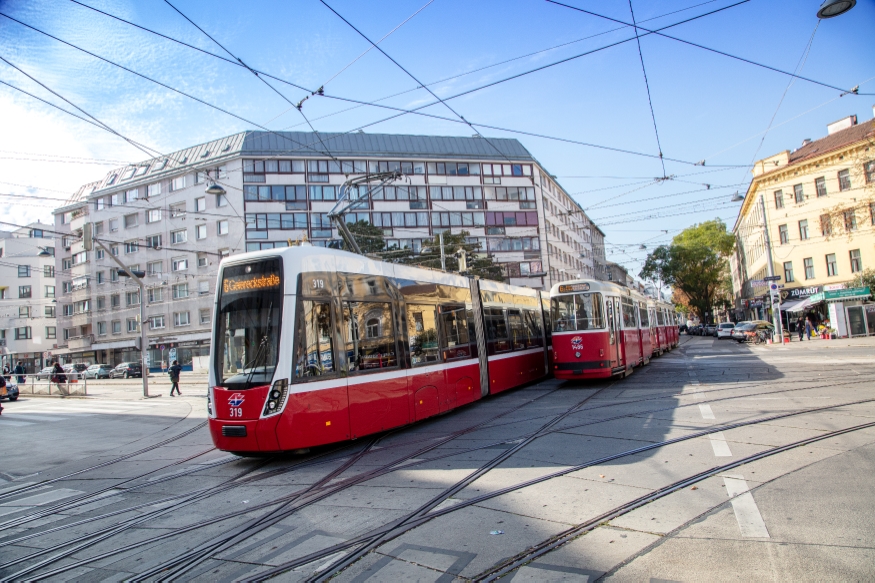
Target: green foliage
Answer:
pixel 479 264
pixel 369 238
pixel 865 278
pixel 696 263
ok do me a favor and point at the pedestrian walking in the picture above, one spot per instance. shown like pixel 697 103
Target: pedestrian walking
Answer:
pixel 808 328
pixel 60 379
pixel 19 371
pixel 3 390
pixel 174 371
pixel 800 327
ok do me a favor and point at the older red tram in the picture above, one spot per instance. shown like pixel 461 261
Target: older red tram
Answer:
pixel 600 329
pixel 313 346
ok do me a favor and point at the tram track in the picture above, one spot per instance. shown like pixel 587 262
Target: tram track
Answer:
pixel 484 424
pixel 401 526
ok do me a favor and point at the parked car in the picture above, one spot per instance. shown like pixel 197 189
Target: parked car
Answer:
pixel 11 391
pixel 755 331
pixel 724 330
pixel 126 370
pixel 75 369
pixel 98 371
pixel 710 330
pixel 45 373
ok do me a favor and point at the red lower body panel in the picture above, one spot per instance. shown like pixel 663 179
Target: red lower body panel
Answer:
pixel 507 372
pixel 597 356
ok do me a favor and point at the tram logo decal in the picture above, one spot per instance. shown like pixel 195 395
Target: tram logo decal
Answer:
pixel 577 342
pixel 236 400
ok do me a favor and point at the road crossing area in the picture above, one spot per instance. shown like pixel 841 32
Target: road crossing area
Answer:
pixel 35 412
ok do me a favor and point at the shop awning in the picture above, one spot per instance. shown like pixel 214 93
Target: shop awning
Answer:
pixel 796 305
pixel 841 295
pixel 116 344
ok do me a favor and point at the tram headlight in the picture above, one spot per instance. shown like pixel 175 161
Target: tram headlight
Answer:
pixel 276 397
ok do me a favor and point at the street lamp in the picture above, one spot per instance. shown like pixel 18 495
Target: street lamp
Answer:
pixel 137 276
pixel 833 8
pixel 736 197
pixel 215 188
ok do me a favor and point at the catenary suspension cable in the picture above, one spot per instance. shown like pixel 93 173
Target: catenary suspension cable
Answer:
pixel 647 86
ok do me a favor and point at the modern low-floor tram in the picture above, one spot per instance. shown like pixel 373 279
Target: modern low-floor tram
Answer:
pixel 602 329
pixel 313 346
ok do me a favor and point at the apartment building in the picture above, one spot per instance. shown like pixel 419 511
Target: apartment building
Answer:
pixel 817 204
pixel 27 296
pixel 279 188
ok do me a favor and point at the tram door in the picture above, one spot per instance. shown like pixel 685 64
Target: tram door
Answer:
pixel 613 309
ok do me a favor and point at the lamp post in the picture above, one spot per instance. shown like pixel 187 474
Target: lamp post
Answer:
pixel 832 8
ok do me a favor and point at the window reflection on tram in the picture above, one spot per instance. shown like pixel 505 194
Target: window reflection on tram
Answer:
pixel 370 338
pixel 248 324
pixel 577 312
pixel 315 346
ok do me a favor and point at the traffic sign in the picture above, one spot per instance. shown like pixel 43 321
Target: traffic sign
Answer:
pixel 773 286
pixel 772 278
pixel 172 355
pixel 161 348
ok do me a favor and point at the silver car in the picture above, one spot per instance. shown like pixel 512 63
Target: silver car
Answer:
pixel 724 330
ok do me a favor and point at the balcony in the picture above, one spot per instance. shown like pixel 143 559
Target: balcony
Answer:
pixel 80 342
pixel 80 319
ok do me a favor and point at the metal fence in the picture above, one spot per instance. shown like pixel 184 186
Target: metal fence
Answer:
pixel 76 385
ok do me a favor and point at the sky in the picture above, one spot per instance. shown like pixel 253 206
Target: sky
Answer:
pixel 574 78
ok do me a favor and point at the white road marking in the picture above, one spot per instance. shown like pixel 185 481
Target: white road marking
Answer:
pixel 27 416
pixel 7 423
pixel 37 500
pixel 706 411
pixel 719 445
pixel 750 521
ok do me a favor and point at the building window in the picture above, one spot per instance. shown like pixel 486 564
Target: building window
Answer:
pixel 101 328
pixel 222 227
pixel 850 220
pixel 154 268
pixel 132 195
pixel 153 242
pixel 856 261
pixel 24 311
pixel 101 302
pixel 24 271
pixel 783 234
pixel 844 180
pixel 203 287
pixel 153 215
pixel 177 184
pixel 113 275
pixel 113 225
pixel 49 311
pixel 177 210
pixel 831 267
pixel 809 267
pixel 133 298
pixel 224 253
pixel 205 316
pixel 180 291
pixel 201 260
pixel 803 229
pixel 798 193
pixel 180 264
pixel 200 204
pixel 68 309
pixel 200 232
pixel 779 199
pixel 114 250
pixel 825 225
pixel 49 270
pixel 23 333
pixel 51 332
pixel 131 246
pixel 115 301
pixel 788 271
pixel 820 186
pixel 181 319
pixel 221 200
pixel 116 326
pixel 131 220
pixel 24 291
pixel 153 189
pixel 132 325
pixel 869 171
pixel 177 237
pixel 156 322
pixel 156 295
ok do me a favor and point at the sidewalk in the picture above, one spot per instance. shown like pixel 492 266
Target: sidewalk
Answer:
pixel 860 341
pixel 191 384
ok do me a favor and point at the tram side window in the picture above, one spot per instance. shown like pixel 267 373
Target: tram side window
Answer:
pixel 315 354
pixel 532 320
pixel 660 321
pixel 496 331
pixel 422 332
pixel 370 336
pixel 628 313
pixel 644 316
pixel 456 333
pixel 518 334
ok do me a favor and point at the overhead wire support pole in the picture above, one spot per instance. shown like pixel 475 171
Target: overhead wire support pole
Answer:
pixel 346 203
pixel 776 312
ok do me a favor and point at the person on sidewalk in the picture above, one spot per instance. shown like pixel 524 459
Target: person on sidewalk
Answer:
pixel 174 371
pixel 800 327
pixel 808 328
pixel 3 391
pixel 19 371
pixel 60 379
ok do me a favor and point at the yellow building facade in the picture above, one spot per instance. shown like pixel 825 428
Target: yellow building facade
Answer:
pixel 817 204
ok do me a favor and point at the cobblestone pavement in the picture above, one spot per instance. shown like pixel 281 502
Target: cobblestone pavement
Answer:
pixel 717 461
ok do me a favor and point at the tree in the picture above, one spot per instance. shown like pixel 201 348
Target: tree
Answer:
pixel 369 238
pixel 865 278
pixel 479 264
pixel 696 263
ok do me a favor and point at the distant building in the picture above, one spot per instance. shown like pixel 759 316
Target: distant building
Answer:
pixel 27 296
pixel 155 216
pixel 820 214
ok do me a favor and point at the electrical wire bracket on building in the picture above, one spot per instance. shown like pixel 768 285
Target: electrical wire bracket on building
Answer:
pixel 346 203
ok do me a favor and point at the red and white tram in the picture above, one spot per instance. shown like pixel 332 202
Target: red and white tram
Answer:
pixel 600 329
pixel 663 325
pixel 313 346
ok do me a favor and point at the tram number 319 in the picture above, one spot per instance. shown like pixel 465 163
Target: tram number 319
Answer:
pixel 236 412
pixel 318 284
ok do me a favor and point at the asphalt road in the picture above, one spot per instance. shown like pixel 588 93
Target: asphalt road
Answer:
pixel 715 462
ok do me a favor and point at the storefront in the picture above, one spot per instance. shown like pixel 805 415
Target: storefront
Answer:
pixel 796 304
pixel 191 350
pixel 847 311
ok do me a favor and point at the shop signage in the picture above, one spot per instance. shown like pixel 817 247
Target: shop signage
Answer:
pixel 756 282
pixel 835 287
pixel 772 278
pixel 799 293
pixel 857 293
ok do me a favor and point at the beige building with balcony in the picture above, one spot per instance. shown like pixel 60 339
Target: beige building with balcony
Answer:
pixel 819 205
